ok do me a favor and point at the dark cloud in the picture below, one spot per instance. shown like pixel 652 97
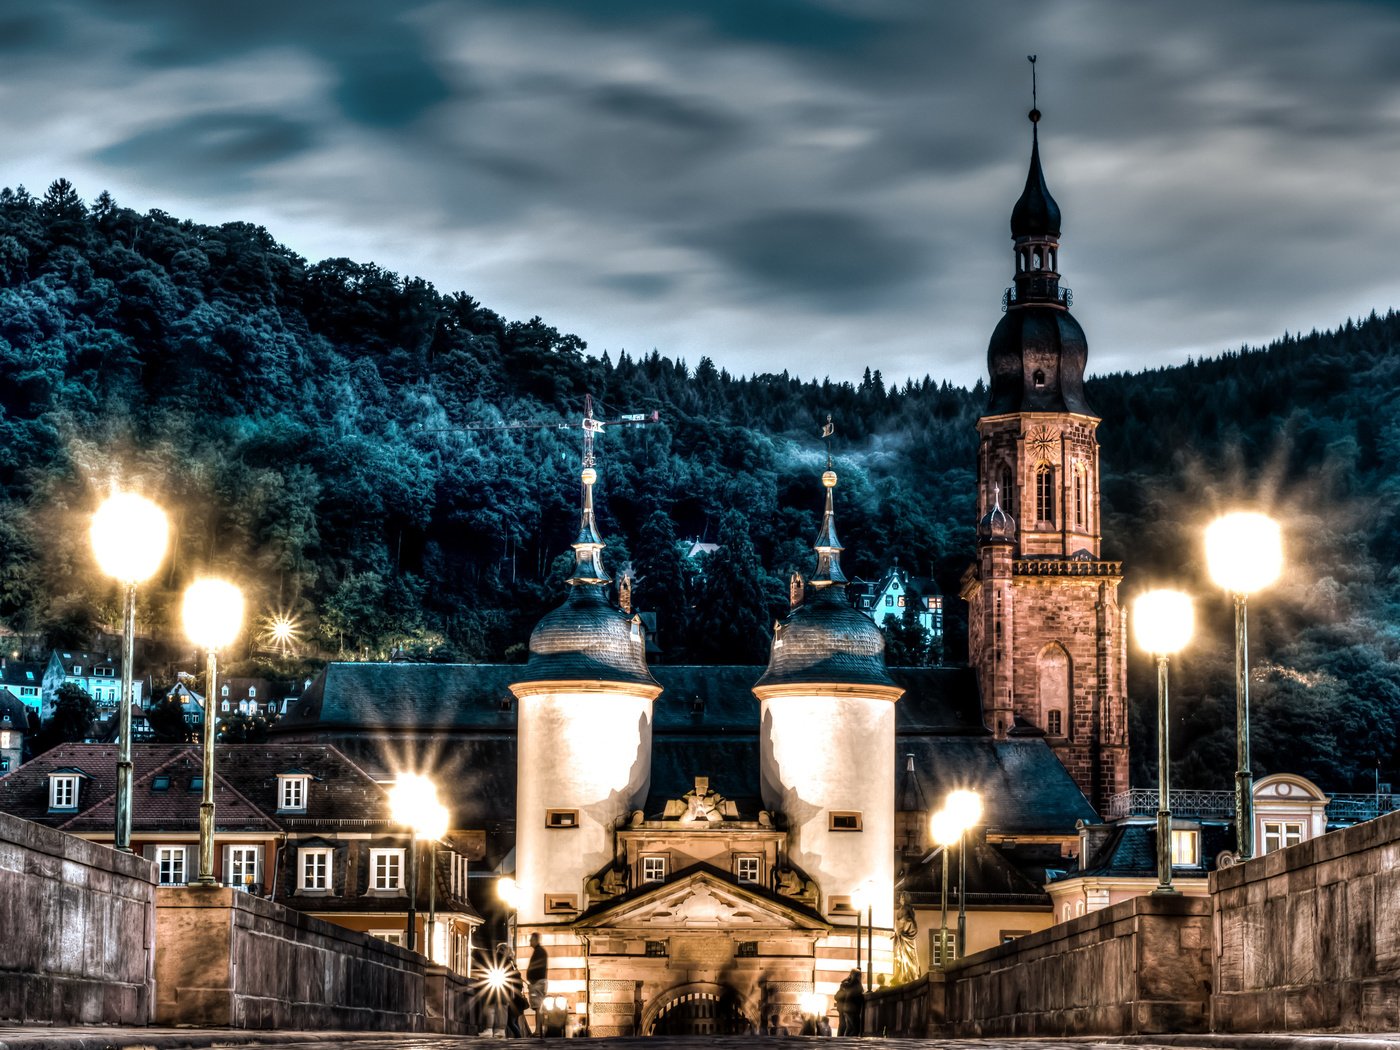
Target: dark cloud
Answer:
pixel 828 259
pixel 756 175
pixel 218 147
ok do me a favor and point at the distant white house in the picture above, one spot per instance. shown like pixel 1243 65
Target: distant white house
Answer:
pixel 97 674
pixel 894 592
pixel 25 681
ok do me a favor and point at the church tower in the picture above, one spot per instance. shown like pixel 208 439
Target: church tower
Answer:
pixel 583 736
pixel 1046 635
pixel 827 739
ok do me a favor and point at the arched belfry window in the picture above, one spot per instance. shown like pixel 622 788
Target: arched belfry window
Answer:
pixel 1081 484
pixel 1007 495
pixel 1045 494
pixel 1053 679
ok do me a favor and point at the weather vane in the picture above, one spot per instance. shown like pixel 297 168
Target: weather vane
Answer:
pixel 1035 107
pixel 827 431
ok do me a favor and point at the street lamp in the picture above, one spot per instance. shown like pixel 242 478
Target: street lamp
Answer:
pixel 129 535
pixel 1244 552
pixel 944 828
pixel 413 802
pixel 966 807
pixel 1162 625
pixel 508 890
pixel 433 828
pixel 213 613
pixel 864 900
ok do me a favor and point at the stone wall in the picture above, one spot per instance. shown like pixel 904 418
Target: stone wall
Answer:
pixel 1139 967
pixel 230 959
pixel 1309 937
pixel 76 925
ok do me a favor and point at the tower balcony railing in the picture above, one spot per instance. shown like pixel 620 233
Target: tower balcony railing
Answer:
pixel 1142 802
pixel 1063 297
pixel 1033 566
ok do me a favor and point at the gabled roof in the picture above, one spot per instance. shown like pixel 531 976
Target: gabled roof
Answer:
pixel 1024 787
pixel 23 674
pixel 702 897
pixel 245 788
pixel 991 879
pixel 1130 851
pixel 14 707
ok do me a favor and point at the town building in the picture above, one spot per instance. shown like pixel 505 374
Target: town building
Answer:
pixel 25 681
pixel 302 825
pixel 14 727
pixel 886 599
pixel 97 674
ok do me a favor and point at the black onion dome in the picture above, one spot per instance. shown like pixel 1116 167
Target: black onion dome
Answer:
pixel 996 526
pixel 1036 214
pixel 1036 361
pixel 827 640
pixel 588 639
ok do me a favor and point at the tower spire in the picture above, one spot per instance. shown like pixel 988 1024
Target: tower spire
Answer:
pixel 588 548
pixel 828 547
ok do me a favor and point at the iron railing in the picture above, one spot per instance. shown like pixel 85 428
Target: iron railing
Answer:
pixel 1065 298
pixel 1142 802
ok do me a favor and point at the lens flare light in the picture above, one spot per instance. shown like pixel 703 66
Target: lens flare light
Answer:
pixel 129 535
pixel 213 613
pixel 1244 551
pixel 1163 621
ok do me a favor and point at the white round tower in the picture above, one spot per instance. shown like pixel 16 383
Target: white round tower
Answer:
pixel 583 758
pixel 827 742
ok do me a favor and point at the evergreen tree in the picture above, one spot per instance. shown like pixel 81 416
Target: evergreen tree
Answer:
pixel 731 622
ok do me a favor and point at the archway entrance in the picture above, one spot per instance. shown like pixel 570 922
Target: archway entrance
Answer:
pixel 701 1013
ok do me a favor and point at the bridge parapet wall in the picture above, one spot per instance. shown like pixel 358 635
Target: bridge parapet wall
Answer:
pixel 230 959
pixel 1308 937
pixel 76 921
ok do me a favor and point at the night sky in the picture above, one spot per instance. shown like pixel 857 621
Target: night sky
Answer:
pixel 813 186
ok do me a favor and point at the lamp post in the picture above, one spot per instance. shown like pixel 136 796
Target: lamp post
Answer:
pixel 943 827
pixel 413 802
pixel 508 890
pixel 1162 625
pixel 213 613
pixel 129 535
pixel 864 900
pixel 966 807
pixel 1244 552
pixel 433 829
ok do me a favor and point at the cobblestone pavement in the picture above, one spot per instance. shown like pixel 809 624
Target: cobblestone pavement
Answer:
pixel 27 1038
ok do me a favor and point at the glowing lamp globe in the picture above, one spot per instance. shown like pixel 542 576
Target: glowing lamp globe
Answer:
pixel 509 891
pixel 432 822
pixel 412 801
pixel 944 827
pixel 213 613
pixel 129 535
pixel 1163 621
pixel 966 807
pixel 1244 551
pixel 814 1004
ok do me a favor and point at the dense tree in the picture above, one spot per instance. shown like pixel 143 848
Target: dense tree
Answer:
pixel 297 420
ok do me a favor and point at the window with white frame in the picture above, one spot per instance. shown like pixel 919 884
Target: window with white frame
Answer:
pixel 63 791
pixel 242 868
pixel 315 868
pixel 170 865
pixel 392 936
pixel 252 692
pixel 746 869
pixel 386 869
pixel 292 796
pixel 653 869
pixel 1280 834
pixel 1186 847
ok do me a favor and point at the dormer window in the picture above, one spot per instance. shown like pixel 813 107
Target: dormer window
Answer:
pixel 224 691
pixel 63 791
pixel 292 790
pixel 252 693
pixel 77 668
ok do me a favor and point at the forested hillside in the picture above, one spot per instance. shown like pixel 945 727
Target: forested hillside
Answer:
pixel 296 419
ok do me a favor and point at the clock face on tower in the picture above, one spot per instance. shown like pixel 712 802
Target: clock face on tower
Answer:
pixel 1041 442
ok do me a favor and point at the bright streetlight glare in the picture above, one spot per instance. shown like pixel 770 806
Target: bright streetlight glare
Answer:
pixel 1163 621
pixel 213 613
pixel 509 891
pixel 413 802
pixel 945 827
pixel 129 535
pixel 496 978
pixel 1244 551
pixel 814 1004
pixel 966 807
